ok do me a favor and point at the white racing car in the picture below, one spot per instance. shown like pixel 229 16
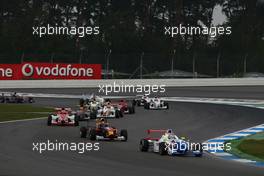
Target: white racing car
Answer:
pixel 169 144
pixel 156 103
pixel 94 105
pixel 141 100
pixel 86 100
pixel 106 111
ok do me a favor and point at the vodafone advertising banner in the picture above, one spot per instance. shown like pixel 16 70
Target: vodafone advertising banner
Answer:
pixel 29 71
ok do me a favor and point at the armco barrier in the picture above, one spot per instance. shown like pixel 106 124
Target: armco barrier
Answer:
pixel 95 83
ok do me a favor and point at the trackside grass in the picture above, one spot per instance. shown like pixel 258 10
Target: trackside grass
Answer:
pixel 22 111
pixel 251 147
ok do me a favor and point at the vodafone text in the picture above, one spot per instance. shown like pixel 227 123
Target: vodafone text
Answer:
pixel 8 72
pixel 29 70
pixel 49 71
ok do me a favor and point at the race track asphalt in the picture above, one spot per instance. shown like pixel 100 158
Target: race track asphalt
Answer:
pixel 241 92
pixel 198 122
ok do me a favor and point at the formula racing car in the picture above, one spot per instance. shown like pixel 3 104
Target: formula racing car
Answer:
pixel 16 98
pixel 93 98
pixel 141 100
pixel 103 131
pixel 125 107
pixel 63 117
pixel 156 103
pixel 169 144
pixel 83 114
pixel 106 111
pixel 2 98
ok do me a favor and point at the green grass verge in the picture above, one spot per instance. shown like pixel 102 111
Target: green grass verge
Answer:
pixel 251 147
pixel 22 111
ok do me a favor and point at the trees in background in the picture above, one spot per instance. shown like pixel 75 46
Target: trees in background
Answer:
pixel 130 27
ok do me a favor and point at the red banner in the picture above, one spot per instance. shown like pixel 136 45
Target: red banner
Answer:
pixel 28 71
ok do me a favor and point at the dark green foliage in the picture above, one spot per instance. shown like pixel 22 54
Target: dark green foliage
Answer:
pixel 130 27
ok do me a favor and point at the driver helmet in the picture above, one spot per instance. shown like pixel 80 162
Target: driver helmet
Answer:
pixel 63 110
pixel 102 120
pixel 169 131
pixel 108 104
pixel 171 136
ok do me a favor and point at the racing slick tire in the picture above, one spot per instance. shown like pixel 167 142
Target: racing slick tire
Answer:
pixel 31 100
pixel 144 145
pixel 93 114
pixel 162 148
pixel 117 114
pixel 166 104
pixel 146 105
pixel 138 103
pixel 104 133
pixel 76 121
pixel 200 149
pixel 124 134
pixel 92 134
pixel 134 102
pixel 121 114
pixel 49 120
pixel 131 109
pixel 83 132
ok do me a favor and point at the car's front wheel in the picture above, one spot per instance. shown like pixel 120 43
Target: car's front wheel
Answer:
pixel 144 145
pixel 117 114
pixel 131 109
pixel 124 134
pixel 162 148
pixel 146 105
pixel 93 114
pixel 92 134
pixel 83 132
pixel 198 151
pixel 49 120
pixel 167 105
pixel 76 121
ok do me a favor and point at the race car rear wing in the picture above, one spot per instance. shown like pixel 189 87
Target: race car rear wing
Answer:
pixel 151 131
pixel 155 131
pixel 60 109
